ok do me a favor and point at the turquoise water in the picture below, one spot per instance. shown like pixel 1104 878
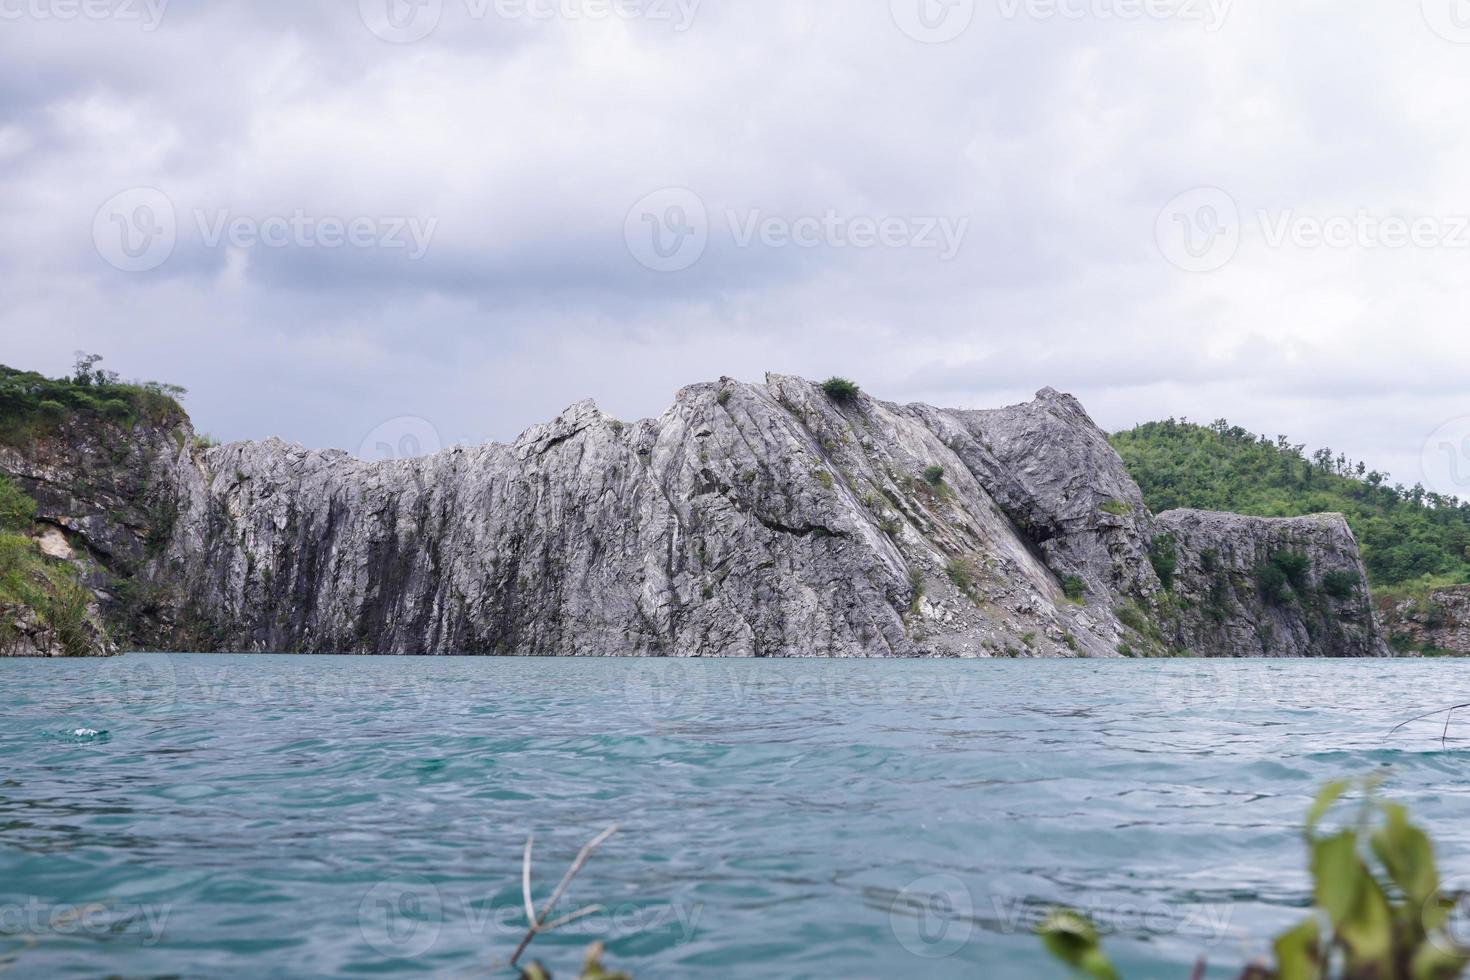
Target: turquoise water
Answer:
pixel 275 816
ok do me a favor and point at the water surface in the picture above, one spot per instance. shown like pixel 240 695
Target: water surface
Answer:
pixel 286 816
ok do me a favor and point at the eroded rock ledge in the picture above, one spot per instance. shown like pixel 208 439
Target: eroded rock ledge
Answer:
pixel 757 520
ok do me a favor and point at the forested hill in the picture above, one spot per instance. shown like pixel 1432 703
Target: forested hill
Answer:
pixel 1408 535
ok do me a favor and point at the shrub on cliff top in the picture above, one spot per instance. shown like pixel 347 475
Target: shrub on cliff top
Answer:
pixel 841 389
pixel 31 403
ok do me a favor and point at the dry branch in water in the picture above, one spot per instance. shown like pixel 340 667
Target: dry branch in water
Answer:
pixel 1447 712
pixel 539 923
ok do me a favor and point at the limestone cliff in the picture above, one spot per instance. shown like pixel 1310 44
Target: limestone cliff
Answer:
pixel 765 520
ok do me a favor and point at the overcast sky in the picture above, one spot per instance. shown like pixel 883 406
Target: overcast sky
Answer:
pixel 322 217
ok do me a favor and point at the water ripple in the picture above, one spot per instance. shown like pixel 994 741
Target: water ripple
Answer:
pixel 366 815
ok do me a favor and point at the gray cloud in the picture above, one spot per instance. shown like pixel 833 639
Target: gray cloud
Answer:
pixel 529 140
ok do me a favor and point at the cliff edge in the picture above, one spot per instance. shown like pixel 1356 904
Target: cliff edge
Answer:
pixel 754 520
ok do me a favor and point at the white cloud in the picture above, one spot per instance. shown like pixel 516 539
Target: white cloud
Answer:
pixel 529 140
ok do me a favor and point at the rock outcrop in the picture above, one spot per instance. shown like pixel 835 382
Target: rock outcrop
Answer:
pixel 764 520
pixel 1251 586
pixel 1437 623
pixel 25 632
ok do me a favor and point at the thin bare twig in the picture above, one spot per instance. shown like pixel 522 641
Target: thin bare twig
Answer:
pixel 1447 712
pixel 539 923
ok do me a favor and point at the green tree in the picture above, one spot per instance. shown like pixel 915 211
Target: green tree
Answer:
pixel 1407 534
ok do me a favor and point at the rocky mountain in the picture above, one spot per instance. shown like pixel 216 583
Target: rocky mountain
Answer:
pixel 754 520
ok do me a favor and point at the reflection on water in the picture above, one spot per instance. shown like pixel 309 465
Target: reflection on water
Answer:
pixel 250 815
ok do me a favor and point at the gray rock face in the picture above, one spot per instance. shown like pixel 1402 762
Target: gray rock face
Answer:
pixel 1279 587
pixel 1440 621
pixel 747 520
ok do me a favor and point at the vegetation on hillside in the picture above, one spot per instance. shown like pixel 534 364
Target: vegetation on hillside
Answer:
pixel 30 403
pixel 28 578
pixel 1409 536
pixel 1379 912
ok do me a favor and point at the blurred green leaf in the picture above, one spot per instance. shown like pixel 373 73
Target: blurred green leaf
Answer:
pixel 1299 952
pixel 1433 962
pixel 1407 855
pixel 1329 795
pixel 1071 938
